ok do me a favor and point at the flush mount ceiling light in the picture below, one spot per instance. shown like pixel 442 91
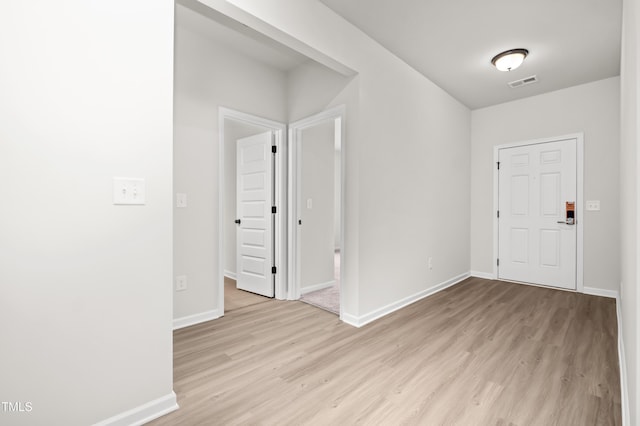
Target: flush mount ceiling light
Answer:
pixel 510 59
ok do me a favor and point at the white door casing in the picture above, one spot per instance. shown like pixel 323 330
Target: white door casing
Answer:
pixel 336 114
pixel 535 245
pixel 254 222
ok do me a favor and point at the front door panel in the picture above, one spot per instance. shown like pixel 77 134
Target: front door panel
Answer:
pixel 536 245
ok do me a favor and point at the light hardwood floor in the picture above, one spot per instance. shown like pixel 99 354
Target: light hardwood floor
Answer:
pixel 479 353
pixel 236 299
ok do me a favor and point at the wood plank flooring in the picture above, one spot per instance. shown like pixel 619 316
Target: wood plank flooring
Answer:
pixel 479 353
pixel 236 299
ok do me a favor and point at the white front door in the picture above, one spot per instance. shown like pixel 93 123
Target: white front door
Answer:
pixel 535 242
pixel 254 221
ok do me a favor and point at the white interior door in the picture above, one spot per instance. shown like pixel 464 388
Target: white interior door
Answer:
pixel 254 221
pixel 535 242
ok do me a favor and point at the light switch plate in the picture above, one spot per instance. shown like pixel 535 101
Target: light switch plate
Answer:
pixel 181 200
pixel 128 191
pixel 593 205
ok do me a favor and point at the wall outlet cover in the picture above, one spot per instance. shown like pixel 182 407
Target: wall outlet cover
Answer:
pixel 181 282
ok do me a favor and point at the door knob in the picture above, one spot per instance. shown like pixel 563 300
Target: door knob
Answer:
pixel 238 221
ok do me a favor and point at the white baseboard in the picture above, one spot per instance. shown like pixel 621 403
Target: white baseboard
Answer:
pixel 230 274
pixel 392 307
pixel 144 413
pixel 484 275
pixel 613 294
pixel 349 319
pixel 624 390
pixel 316 287
pixel 195 319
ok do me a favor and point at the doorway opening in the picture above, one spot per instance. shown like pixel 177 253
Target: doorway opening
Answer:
pixel 251 202
pixel 316 227
pixel 223 63
pixel 538 225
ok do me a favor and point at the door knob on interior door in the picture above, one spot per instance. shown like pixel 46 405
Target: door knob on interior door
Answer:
pixel 238 221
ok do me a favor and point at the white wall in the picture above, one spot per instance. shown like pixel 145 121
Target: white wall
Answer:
pixel 317 234
pixel 209 75
pixel 85 312
pixel 312 87
pixel 629 209
pixel 407 157
pixel 592 108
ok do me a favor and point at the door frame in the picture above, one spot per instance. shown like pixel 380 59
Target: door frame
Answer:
pixel 335 113
pixel 280 233
pixel 579 137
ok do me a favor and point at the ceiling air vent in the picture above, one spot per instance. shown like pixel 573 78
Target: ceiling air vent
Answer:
pixel 523 82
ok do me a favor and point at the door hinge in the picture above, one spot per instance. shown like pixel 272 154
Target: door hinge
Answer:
pixel 274 209
pixel 497 262
pixel 274 270
pixel 498 165
pixel 274 149
pixel 498 213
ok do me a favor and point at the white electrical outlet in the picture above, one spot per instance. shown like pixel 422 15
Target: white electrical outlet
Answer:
pixel 181 283
pixel 593 205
